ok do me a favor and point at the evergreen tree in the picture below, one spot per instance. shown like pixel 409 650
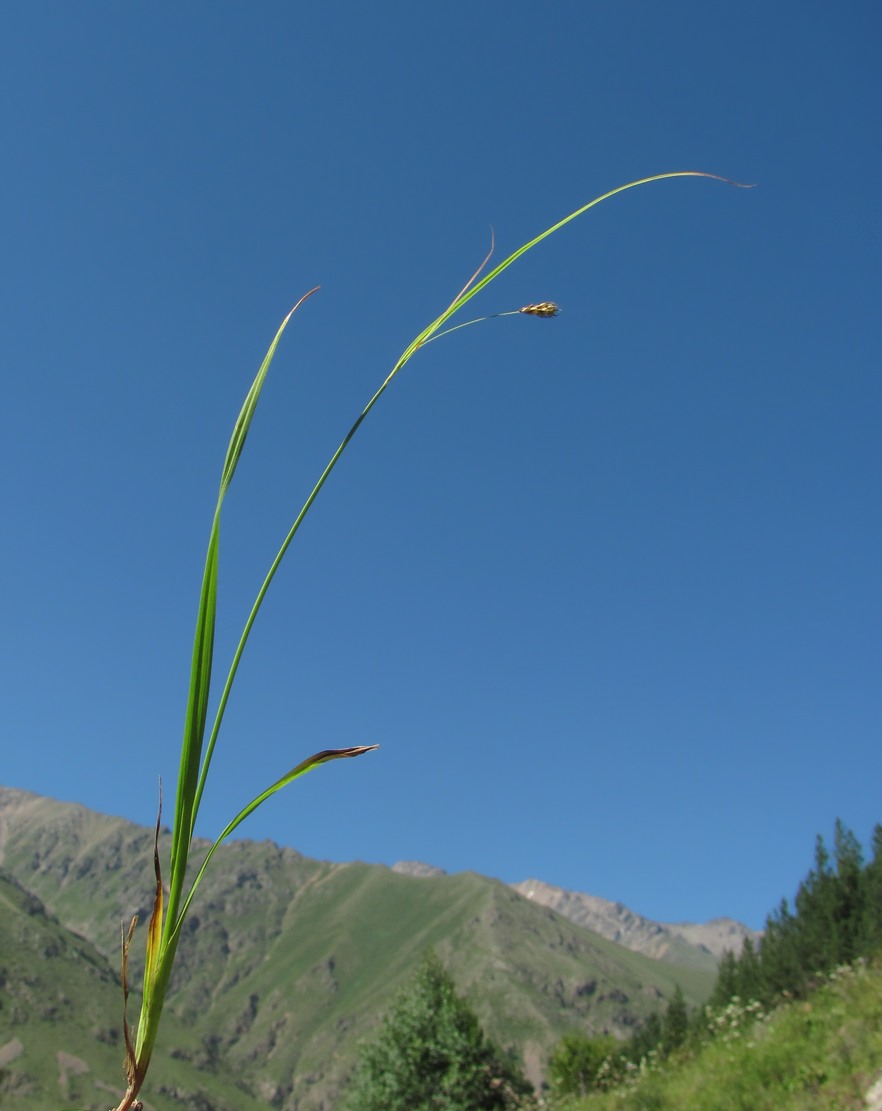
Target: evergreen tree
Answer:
pixel 727 980
pixel 750 976
pixel 643 1041
pixel 676 1022
pixel 431 1055
pixel 829 906
pixel 815 904
pixel 837 918
pixel 780 962
pixel 870 935
pixel 849 889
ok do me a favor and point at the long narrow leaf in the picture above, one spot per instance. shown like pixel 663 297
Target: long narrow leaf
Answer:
pixel 243 421
pixel 195 717
pixel 468 291
pixel 161 948
pixel 149 1023
pixel 302 768
pixel 190 783
pixel 194 765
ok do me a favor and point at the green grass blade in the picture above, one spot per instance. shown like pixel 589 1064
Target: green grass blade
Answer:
pixel 469 291
pixel 194 765
pixel 152 1003
pixel 161 945
pixel 195 717
pixel 186 815
pixel 194 775
pixel 323 757
pixel 189 791
pixel 243 422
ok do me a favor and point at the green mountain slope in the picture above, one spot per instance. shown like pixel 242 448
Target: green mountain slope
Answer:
pixel 60 1030
pixel 286 962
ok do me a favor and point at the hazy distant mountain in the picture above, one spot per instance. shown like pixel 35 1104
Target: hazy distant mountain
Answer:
pixel 284 965
pixel 416 868
pixel 684 943
pixel 663 941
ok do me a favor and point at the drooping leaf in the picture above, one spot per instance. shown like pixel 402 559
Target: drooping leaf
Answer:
pixel 323 757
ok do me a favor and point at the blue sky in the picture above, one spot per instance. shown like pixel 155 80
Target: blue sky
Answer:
pixel 605 588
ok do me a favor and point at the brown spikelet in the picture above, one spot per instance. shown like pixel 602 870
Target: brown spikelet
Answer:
pixel 545 309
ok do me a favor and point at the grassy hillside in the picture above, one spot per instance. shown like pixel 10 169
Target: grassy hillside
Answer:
pixel 287 962
pixel 821 1053
pixel 60 1030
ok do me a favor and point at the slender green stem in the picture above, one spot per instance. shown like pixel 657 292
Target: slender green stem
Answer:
pixel 261 594
pixel 426 336
pixel 195 761
pixel 194 728
pixel 477 320
pixel 421 339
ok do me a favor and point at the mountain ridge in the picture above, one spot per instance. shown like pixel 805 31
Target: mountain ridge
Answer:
pixel 286 963
pixel 617 922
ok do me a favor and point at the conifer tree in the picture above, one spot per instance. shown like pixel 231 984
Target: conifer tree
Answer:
pixel 676 1022
pixel 750 975
pixel 850 890
pixel 871 912
pixel 643 1041
pixel 815 904
pixel 780 961
pixel 727 980
pixel 837 918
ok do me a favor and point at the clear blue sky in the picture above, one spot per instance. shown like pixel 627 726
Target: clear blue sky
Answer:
pixel 605 588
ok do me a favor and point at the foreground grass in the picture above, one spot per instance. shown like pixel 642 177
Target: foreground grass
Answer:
pixel 823 1052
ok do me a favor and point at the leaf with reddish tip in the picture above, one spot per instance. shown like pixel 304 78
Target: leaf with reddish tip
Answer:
pixel 323 757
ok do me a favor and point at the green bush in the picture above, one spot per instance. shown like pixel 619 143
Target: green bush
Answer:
pixel 432 1055
pixel 577 1061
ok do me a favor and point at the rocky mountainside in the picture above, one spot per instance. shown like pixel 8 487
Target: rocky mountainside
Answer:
pixel 683 943
pixel 61 1039
pixel 660 940
pixel 286 963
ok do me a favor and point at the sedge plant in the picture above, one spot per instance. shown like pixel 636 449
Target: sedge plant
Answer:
pixel 170 905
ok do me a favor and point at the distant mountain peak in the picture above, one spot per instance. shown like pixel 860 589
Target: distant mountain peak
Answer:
pixel 417 868
pixel 615 921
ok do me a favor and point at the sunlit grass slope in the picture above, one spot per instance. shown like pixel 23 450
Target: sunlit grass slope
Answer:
pixel 821 1053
